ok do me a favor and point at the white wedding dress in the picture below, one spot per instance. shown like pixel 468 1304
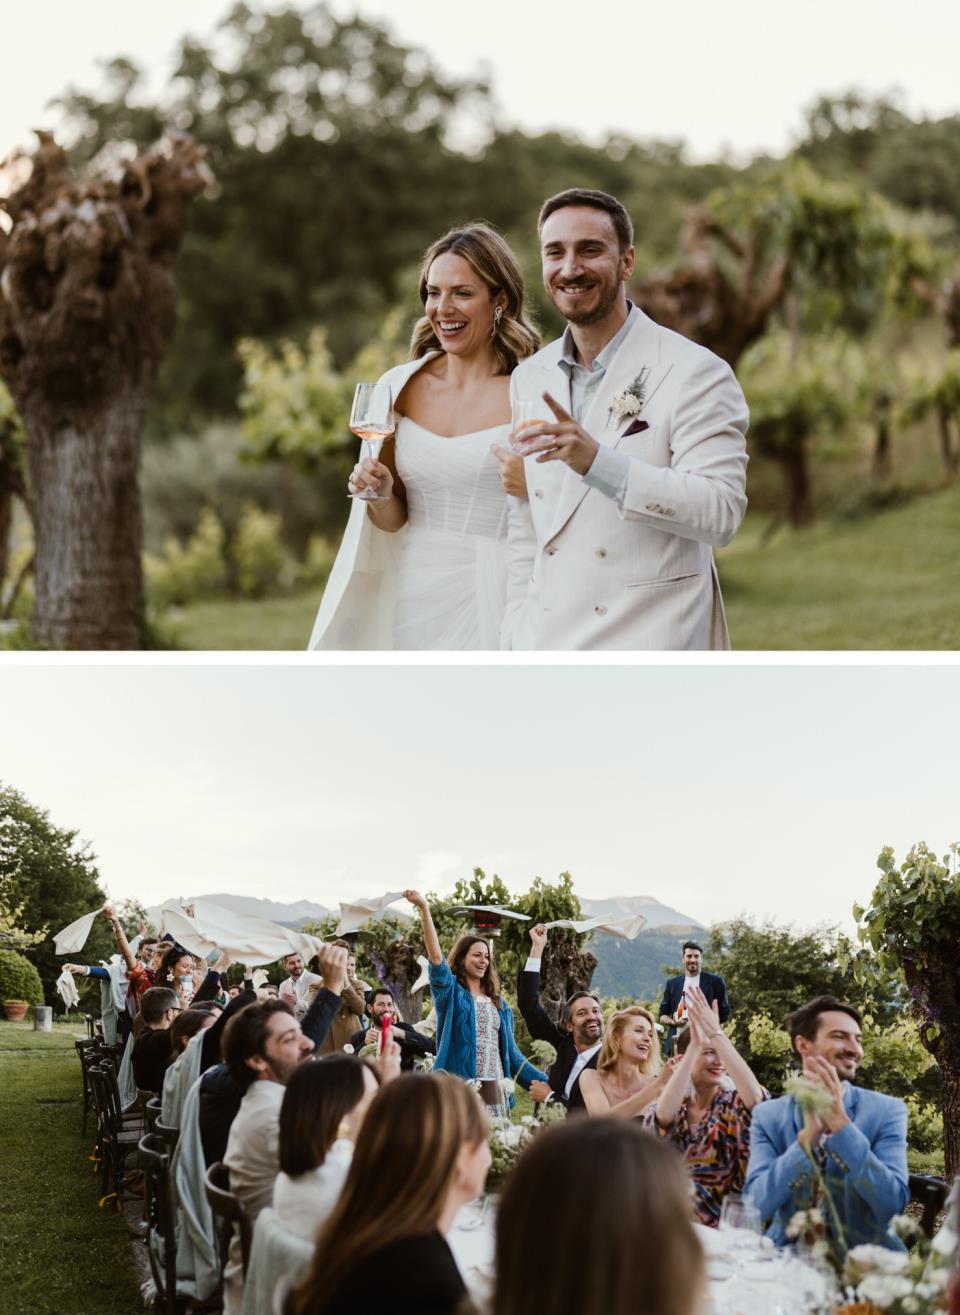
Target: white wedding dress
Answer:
pixel 452 569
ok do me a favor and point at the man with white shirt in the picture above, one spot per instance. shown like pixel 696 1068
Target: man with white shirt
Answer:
pixel 673 1008
pixel 635 459
pixel 577 1040
pixel 294 988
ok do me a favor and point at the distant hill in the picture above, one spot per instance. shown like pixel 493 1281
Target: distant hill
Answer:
pixel 634 968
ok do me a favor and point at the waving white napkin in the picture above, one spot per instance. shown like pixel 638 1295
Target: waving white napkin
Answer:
pixel 72 939
pixel 68 989
pixel 424 977
pixel 245 939
pixel 353 916
pixel 625 928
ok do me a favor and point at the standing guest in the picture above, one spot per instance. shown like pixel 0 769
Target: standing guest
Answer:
pixel 381 1004
pixel 422 1153
pixel 474 1023
pixel 673 1006
pixel 577 1040
pixel 702 1116
pixel 294 986
pixel 605 1211
pixel 628 1075
pixel 323 1110
pixel 152 1051
pixel 859 1144
pixel 347 1020
pixel 140 976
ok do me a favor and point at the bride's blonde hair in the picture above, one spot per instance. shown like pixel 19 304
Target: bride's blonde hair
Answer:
pixel 491 259
pixel 610 1050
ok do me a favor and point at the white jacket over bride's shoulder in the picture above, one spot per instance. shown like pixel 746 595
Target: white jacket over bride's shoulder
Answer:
pixel 440 581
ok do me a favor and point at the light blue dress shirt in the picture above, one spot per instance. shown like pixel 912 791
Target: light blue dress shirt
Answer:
pixel 609 470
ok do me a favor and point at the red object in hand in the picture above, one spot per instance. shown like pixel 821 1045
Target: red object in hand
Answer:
pixel 385 1024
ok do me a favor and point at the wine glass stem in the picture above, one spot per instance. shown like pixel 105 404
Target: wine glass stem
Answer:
pixel 371 447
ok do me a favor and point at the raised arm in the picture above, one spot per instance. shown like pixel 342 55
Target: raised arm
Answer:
pixel 430 938
pixel 712 1034
pixel 674 1093
pixel 539 1023
pixel 596 1101
pixel 326 1003
pixel 121 940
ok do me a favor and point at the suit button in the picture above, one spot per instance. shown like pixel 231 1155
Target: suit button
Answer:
pixel 600 610
pixel 538 493
pixel 551 550
pixel 601 552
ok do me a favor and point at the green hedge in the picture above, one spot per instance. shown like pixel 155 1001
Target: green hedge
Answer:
pixel 19 980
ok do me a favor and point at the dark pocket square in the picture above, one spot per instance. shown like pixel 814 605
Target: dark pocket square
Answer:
pixel 637 427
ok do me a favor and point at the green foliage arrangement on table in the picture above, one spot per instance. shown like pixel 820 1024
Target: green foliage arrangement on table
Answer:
pixel 19 979
pixel 912 923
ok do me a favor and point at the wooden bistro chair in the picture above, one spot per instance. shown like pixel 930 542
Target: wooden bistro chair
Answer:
pixel 86 1048
pixel 932 1194
pixel 228 1210
pixel 151 1113
pixel 158 1215
pixel 115 1138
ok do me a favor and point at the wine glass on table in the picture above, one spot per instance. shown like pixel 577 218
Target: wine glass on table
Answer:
pixel 372 420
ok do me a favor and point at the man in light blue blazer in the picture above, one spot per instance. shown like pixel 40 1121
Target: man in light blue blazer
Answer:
pixel 860 1144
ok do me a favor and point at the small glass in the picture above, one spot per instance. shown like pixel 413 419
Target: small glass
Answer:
pixel 525 414
pixel 372 419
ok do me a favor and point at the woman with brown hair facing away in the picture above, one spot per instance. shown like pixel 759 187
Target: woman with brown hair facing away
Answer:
pixel 628 1075
pixel 421 1154
pixel 475 1037
pixel 442 479
pixel 595 1219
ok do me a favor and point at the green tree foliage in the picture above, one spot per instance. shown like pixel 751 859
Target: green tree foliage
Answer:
pixel 912 923
pixel 48 878
pixel 936 391
pixel 799 399
pixel 19 980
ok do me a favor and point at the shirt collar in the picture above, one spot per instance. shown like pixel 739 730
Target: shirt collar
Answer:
pixel 568 351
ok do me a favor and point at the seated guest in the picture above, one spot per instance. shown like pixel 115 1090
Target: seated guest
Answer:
pixel 703 1117
pixel 421 1154
pixel 595 1220
pixel 152 1052
pixel 860 1145
pixel 186 1025
pixel 294 986
pixel 220 1095
pixel 322 1113
pixel 347 1019
pixel 380 1003
pixel 577 1040
pixel 628 1075
pixel 673 1006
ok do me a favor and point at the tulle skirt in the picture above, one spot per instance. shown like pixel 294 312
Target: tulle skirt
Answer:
pixel 450 591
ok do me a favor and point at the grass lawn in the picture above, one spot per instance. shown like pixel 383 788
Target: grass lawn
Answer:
pixel 890 581
pixel 59 1254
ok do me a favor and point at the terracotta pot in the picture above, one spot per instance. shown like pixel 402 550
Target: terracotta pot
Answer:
pixel 15 1010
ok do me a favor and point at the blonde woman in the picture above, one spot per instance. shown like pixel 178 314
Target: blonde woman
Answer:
pixel 628 1075
pixel 424 567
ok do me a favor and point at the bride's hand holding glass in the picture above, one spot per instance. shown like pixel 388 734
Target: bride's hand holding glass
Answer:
pixel 371 474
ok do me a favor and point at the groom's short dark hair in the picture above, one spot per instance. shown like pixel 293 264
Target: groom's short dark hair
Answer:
pixel 599 201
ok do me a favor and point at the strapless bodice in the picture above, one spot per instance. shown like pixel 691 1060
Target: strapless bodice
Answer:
pixel 452 484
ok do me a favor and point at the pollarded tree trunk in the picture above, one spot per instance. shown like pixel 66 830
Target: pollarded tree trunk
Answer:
pixel 934 986
pixel 947 453
pixel 565 969
pixel 87 308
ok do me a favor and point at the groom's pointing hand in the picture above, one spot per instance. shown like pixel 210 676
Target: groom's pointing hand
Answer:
pixel 565 441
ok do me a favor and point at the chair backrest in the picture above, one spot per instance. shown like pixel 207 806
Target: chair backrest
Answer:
pixel 229 1210
pixel 169 1134
pixel 932 1194
pixel 88 1019
pixel 151 1113
pixel 158 1215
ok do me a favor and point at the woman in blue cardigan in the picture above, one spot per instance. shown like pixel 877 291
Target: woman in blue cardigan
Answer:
pixel 474 1023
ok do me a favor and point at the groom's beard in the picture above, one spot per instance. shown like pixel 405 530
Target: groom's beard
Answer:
pixel 607 299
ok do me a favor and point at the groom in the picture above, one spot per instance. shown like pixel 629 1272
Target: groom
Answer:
pixel 635 463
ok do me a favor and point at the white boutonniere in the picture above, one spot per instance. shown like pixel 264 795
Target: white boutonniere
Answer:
pixel 629 403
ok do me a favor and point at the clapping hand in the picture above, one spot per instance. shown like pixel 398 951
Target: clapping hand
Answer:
pixel 704 1022
pixel 819 1070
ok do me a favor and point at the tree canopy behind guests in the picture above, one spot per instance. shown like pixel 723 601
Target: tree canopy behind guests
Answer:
pixel 48 878
pixel 913 923
pixel 87 309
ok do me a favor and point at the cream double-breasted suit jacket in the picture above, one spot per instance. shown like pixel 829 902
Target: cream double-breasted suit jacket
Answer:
pixel 585 573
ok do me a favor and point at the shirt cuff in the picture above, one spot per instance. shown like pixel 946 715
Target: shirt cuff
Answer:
pixel 608 474
pixel 532 965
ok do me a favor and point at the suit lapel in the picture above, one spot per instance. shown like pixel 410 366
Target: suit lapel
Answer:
pixel 640 350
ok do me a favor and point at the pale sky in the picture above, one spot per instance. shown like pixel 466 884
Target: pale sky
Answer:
pixel 718 790
pixel 733 76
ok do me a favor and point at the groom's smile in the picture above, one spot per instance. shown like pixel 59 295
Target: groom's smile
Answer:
pixel 583 266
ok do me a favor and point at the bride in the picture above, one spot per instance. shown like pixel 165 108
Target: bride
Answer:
pixel 424 566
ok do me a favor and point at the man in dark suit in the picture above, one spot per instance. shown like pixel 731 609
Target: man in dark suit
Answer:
pixel 577 1039
pixel 412 1045
pixel 673 1008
